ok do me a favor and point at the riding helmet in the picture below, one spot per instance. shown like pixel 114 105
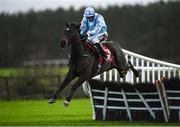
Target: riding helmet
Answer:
pixel 89 12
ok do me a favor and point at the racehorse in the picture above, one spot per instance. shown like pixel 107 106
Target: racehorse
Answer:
pixel 85 66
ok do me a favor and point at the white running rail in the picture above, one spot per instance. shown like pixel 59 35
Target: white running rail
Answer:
pixel 151 69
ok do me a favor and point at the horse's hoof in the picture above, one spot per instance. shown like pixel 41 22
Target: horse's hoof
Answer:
pixel 66 103
pixel 51 101
pixel 123 74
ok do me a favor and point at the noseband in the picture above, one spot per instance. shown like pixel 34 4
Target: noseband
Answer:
pixel 69 41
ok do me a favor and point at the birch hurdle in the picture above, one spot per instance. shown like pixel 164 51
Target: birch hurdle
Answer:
pixel 151 71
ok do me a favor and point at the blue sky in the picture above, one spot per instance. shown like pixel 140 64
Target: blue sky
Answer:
pixel 13 6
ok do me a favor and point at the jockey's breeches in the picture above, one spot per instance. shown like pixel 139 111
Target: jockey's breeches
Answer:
pixel 98 37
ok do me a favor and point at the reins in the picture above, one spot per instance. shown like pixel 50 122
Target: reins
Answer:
pixel 72 44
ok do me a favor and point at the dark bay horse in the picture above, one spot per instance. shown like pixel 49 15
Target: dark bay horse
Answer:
pixel 86 67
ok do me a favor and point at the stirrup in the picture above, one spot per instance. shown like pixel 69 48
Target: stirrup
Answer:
pixel 85 55
pixel 99 67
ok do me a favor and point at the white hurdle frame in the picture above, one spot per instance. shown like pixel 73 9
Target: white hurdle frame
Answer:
pixel 151 70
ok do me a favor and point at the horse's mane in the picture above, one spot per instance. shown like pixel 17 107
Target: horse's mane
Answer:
pixel 75 25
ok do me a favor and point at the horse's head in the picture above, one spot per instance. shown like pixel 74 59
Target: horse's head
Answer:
pixel 70 33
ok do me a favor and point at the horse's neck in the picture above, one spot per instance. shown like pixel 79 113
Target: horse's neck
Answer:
pixel 77 48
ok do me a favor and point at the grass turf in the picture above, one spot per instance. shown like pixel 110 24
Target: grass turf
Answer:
pixel 40 113
pixel 8 72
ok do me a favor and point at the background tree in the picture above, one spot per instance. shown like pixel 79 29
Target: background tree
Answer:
pixel 152 30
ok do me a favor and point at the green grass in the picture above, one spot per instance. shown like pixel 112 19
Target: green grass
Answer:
pixel 7 72
pixel 39 112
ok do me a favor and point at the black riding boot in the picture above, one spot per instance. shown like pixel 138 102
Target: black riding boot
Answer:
pixel 101 51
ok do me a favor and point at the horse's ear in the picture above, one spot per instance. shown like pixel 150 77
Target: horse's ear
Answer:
pixel 67 24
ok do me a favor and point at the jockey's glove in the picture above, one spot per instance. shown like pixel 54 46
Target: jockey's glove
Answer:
pixel 85 36
pixel 88 34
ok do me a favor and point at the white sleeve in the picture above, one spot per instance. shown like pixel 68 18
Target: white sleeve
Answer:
pixel 99 24
pixel 83 26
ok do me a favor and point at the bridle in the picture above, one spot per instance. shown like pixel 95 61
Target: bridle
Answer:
pixel 69 41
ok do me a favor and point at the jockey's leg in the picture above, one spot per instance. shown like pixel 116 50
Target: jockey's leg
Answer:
pixel 101 51
pixel 97 42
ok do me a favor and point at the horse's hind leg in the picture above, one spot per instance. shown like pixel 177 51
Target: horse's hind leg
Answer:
pixel 125 67
pixel 136 72
pixel 122 73
pixel 122 67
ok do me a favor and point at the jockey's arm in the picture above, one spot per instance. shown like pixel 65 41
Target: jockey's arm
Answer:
pixel 98 27
pixel 83 27
pixel 95 31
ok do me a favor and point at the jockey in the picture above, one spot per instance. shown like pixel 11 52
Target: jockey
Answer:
pixel 94 28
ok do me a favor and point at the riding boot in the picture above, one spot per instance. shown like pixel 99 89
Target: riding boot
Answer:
pixel 97 52
pixel 101 51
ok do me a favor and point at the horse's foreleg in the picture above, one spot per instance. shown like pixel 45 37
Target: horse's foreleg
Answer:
pixel 70 76
pixel 72 91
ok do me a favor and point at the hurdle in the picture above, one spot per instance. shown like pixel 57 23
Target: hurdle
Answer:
pixel 109 98
pixel 151 71
pixel 171 94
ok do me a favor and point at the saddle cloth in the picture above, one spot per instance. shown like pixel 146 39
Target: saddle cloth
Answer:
pixel 100 58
